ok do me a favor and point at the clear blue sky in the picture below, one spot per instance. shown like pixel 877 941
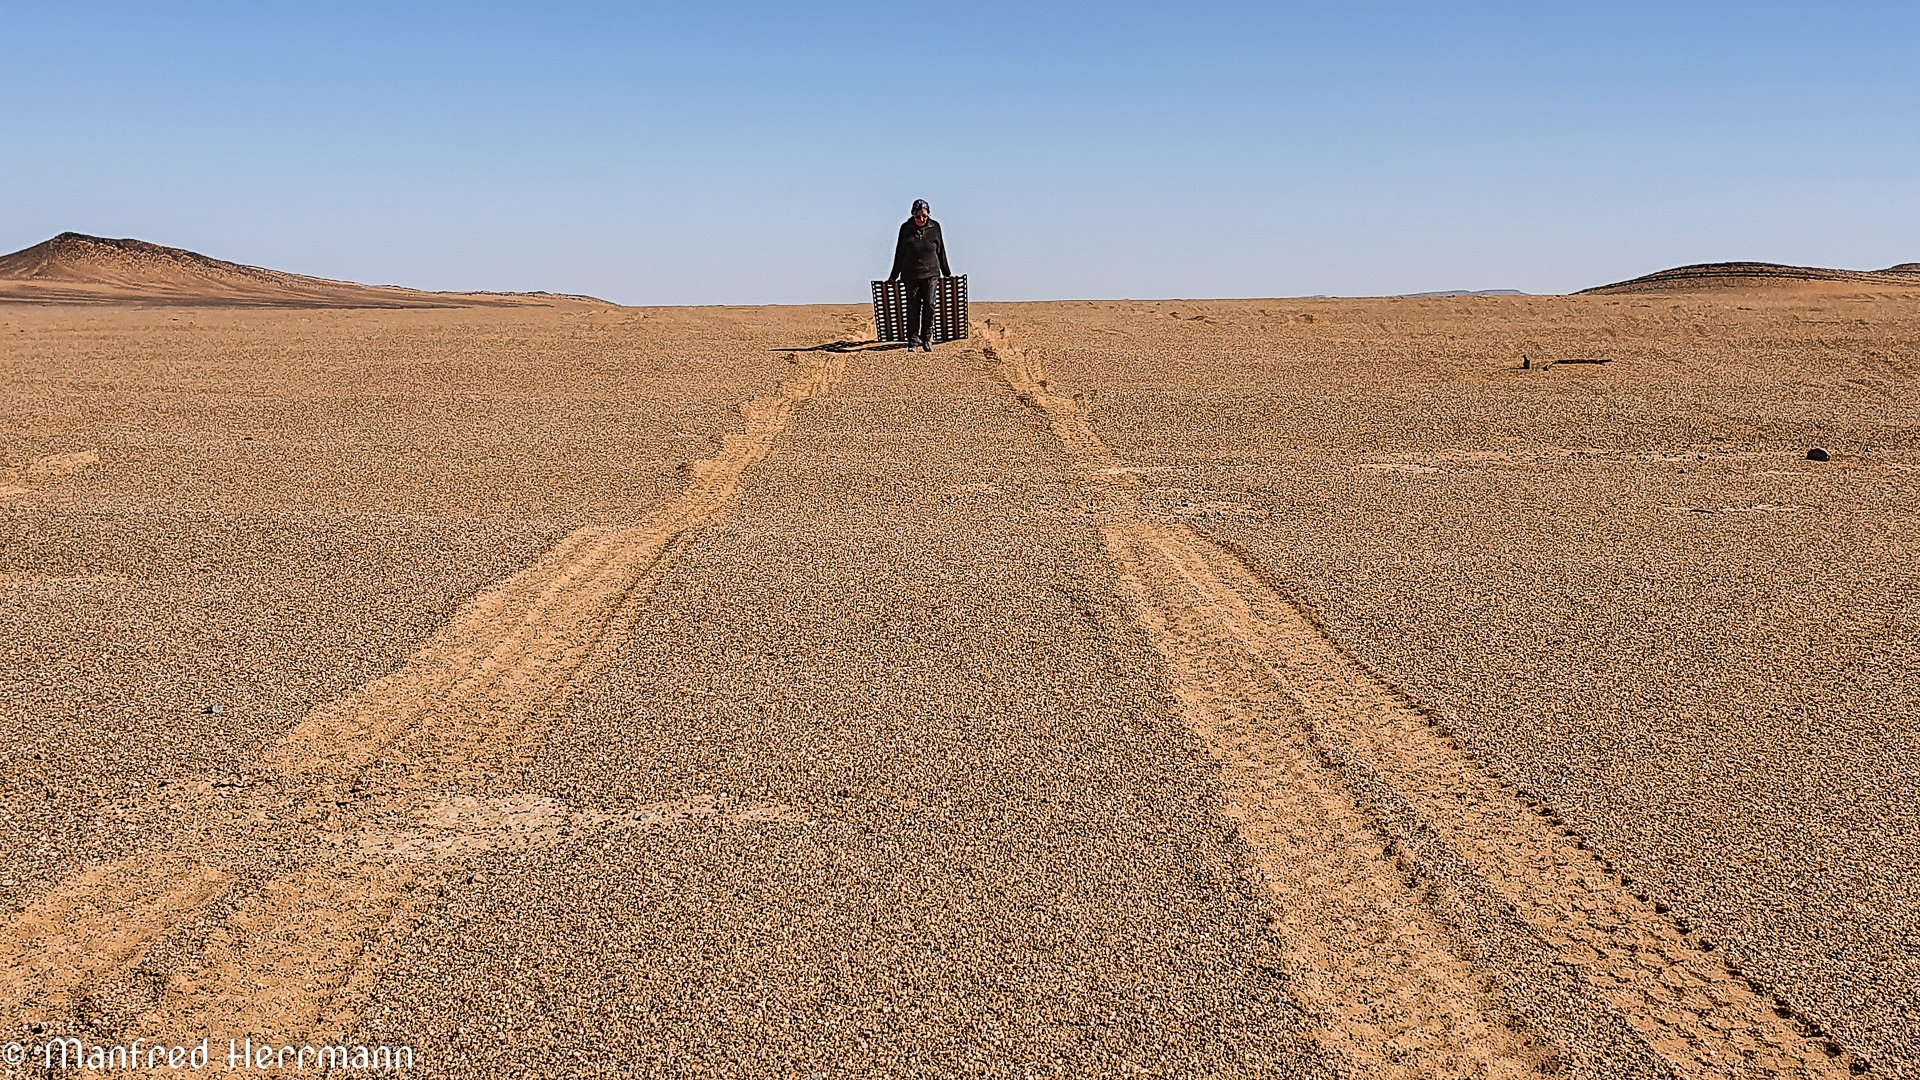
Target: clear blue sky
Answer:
pixel 753 152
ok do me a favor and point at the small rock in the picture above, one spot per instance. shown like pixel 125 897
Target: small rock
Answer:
pixel 1817 454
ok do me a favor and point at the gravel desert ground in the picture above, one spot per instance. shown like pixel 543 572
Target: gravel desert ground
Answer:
pixel 1417 687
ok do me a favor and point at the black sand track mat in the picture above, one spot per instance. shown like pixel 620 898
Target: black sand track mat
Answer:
pixel 949 309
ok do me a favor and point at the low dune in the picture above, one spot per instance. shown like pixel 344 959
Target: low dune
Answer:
pixel 1730 276
pixel 77 268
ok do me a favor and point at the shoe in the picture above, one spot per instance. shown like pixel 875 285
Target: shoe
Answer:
pixel 926 345
pixel 913 343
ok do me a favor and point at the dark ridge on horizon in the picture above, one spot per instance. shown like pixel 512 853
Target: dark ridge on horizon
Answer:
pixel 1728 276
pixel 76 267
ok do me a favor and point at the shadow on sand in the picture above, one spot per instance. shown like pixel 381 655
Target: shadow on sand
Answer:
pixel 846 346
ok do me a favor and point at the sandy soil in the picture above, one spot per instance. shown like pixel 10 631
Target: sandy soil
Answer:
pixel 1622 585
pixel 1258 688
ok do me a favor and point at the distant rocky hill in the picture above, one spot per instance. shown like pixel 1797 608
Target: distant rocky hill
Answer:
pixel 1710 277
pixel 74 267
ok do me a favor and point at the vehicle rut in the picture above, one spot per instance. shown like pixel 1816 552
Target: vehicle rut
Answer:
pixel 21 479
pixel 290 948
pixel 1435 920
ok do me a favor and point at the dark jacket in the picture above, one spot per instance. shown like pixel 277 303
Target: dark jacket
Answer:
pixel 920 252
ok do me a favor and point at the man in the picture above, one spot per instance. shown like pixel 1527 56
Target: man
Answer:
pixel 920 256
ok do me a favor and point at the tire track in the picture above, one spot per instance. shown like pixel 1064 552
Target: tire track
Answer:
pixel 19 480
pixel 1435 920
pixel 471 690
pixel 290 949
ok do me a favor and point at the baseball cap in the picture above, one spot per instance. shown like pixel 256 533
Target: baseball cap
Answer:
pixel 921 204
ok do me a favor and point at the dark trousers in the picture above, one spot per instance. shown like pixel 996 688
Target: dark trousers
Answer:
pixel 920 309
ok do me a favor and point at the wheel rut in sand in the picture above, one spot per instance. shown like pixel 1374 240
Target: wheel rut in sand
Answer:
pixel 1435 921
pixel 265 909
pixel 21 479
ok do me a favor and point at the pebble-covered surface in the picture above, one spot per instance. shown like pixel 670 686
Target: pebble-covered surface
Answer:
pixel 211 521
pixel 877 773
pixel 1623 583
pixel 1000 855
